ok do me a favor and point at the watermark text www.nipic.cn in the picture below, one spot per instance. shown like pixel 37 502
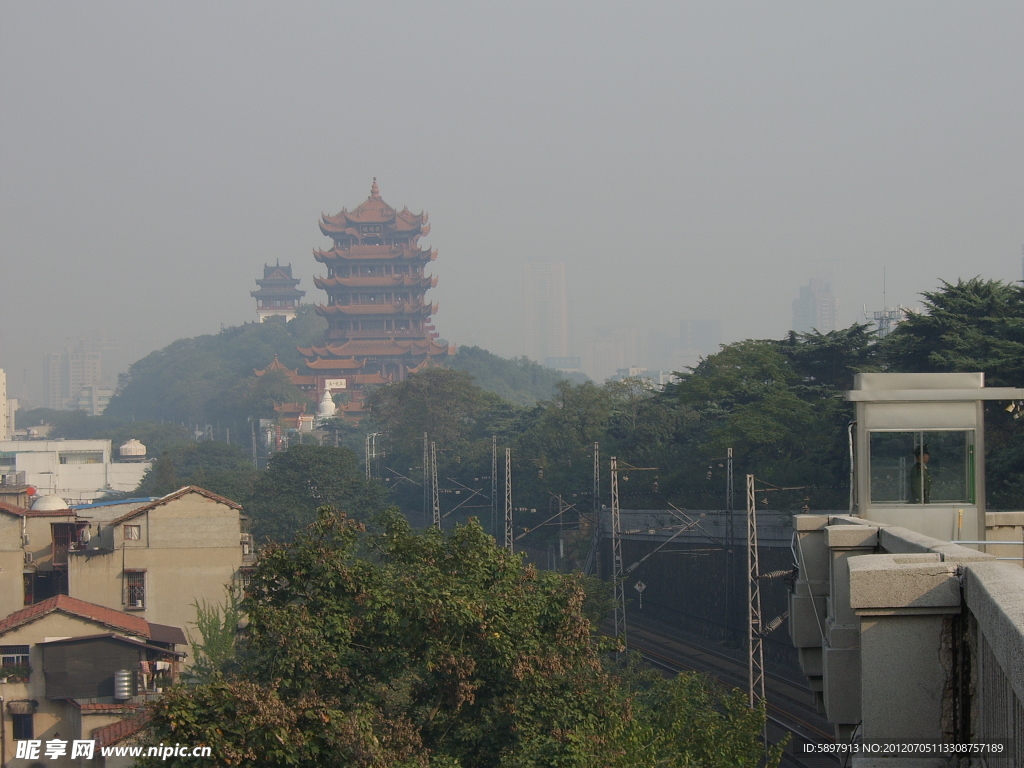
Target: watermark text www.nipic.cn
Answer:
pixel 36 749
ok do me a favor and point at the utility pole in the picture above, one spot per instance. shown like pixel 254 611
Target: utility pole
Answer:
pixel 754 634
pixel 433 485
pixel 508 499
pixel 494 486
pixel 617 577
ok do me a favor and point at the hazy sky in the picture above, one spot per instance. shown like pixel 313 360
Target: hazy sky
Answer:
pixel 683 160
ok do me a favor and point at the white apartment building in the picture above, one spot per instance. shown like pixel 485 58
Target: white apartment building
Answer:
pixel 78 471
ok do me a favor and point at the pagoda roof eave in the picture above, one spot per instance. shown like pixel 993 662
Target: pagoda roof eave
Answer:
pixel 374 309
pixel 402 254
pixel 387 281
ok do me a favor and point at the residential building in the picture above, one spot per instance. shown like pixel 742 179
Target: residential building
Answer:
pixel 72 670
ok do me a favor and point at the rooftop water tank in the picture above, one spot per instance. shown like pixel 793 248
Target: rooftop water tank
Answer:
pixel 132 449
pixel 49 503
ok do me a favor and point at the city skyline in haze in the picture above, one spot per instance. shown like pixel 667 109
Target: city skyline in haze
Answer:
pixel 682 160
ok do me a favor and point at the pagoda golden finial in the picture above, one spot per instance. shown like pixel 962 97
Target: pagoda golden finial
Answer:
pixel 374 191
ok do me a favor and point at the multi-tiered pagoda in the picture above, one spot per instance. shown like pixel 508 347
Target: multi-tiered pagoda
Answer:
pixel 379 327
pixel 278 293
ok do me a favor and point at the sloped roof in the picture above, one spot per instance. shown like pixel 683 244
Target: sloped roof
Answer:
pixel 12 509
pixel 173 497
pixel 122 729
pixel 100 614
pixel 373 210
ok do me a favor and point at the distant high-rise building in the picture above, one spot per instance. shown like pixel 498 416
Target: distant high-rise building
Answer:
pixel 70 370
pixel 702 335
pixel 278 294
pixel 608 351
pixel 815 308
pixel 545 312
pixel 6 428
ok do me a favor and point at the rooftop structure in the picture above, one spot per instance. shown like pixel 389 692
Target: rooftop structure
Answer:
pixel 78 470
pixel 278 294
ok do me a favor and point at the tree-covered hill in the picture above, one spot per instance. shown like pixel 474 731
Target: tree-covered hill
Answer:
pixel 519 381
pixel 195 381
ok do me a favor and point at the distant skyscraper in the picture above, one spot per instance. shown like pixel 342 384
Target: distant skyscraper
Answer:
pixel 702 335
pixel 5 427
pixel 545 312
pixel 815 308
pixel 71 370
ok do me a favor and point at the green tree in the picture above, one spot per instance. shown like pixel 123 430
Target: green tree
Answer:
pixel 218 467
pixel 970 325
pixel 285 497
pixel 214 649
pixel 398 648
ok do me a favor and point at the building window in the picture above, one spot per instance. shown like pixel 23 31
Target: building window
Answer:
pixel 135 590
pixel 81 457
pixel 133 532
pixel 13 655
pixel 22 727
pixel 922 467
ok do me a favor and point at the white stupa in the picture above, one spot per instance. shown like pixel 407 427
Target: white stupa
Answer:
pixel 327 408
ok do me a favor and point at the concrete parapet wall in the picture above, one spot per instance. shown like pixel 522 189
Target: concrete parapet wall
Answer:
pixel 879 613
pixel 994 594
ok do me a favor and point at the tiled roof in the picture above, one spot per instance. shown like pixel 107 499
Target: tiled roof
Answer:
pixel 12 509
pixel 174 496
pixel 100 614
pixel 108 709
pixel 115 732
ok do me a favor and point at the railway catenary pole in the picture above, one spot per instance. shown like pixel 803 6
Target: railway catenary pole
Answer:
pixel 426 477
pixel 508 499
pixel 617 576
pixel 595 546
pixel 494 486
pixel 433 485
pixel 755 664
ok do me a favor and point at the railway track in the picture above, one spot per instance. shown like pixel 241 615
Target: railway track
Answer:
pixel 789 708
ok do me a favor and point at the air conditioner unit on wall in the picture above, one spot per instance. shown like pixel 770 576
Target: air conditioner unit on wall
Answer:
pixel 29 557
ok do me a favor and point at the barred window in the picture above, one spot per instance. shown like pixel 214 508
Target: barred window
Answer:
pixel 135 590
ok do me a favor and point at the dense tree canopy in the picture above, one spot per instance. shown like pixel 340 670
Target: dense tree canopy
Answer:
pixel 285 497
pixel 405 649
pixel 186 382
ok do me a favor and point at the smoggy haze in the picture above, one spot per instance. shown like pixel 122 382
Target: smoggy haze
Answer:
pixel 683 160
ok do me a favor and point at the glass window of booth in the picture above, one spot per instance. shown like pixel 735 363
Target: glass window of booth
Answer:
pixel 922 467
